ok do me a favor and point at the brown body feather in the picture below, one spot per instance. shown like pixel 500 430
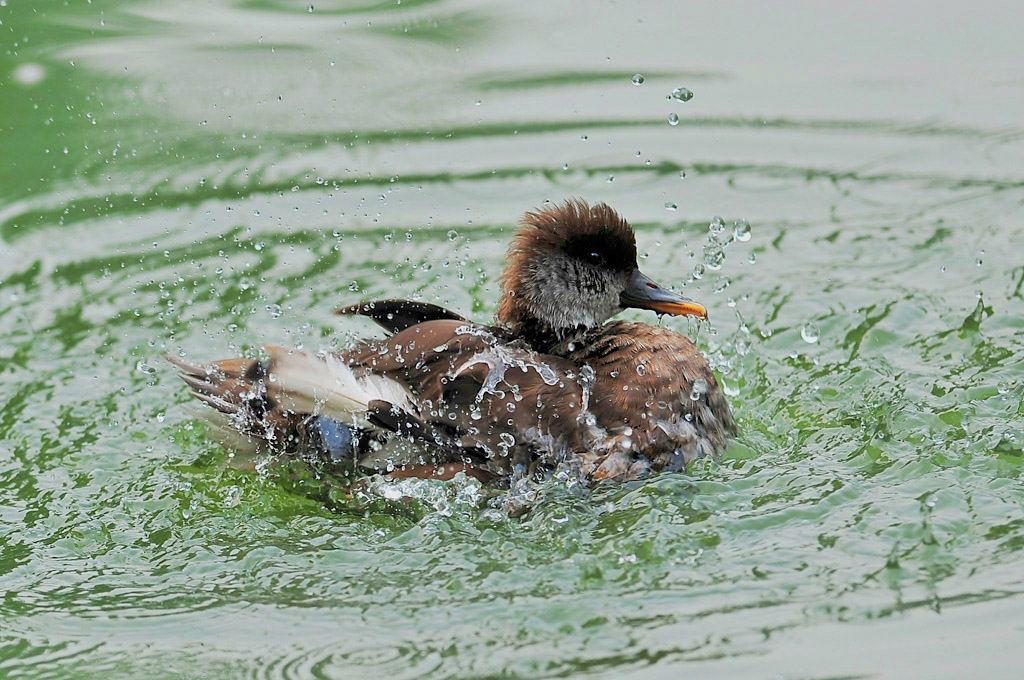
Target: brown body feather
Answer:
pixel 627 392
pixel 548 383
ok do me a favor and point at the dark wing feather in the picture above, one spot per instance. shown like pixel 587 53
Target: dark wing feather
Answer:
pixel 397 315
pixel 499 397
pixel 386 415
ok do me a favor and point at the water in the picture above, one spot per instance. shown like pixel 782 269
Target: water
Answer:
pixel 682 94
pixel 210 176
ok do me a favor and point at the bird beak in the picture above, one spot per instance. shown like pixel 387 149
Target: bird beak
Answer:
pixel 643 293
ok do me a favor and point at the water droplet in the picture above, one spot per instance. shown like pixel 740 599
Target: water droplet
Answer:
pixel 682 94
pixel 698 271
pixel 700 387
pixel 160 417
pixel 810 333
pixel 716 226
pixel 741 230
pixel 673 119
pixel 641 369
pixel 714 256
pixel 638 79
pixel 311 9
pixel 670 206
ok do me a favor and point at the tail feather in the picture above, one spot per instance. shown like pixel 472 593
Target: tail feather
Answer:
pixel 316 406
pixel 221 384
pixel 324 384
pixel 225 407
pixel 274 401
pixel 306 383
pixel 236 391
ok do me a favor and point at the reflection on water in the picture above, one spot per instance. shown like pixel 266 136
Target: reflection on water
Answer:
pixel 213 176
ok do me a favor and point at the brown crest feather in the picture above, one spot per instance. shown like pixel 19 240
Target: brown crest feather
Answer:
pixel 549 229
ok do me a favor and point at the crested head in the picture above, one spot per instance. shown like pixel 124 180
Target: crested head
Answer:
pixel 569 269
pixel 566 268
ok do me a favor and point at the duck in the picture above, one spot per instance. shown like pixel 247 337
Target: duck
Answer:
pixel 554 381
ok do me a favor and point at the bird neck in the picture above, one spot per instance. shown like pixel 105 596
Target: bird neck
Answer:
pixel 544 324
pixel 544 338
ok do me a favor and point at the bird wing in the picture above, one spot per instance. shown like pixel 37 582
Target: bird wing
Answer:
pixel 654 384
pixel 397 315
pixel 490 394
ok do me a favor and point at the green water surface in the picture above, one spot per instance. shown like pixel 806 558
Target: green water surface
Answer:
pixel 212 175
